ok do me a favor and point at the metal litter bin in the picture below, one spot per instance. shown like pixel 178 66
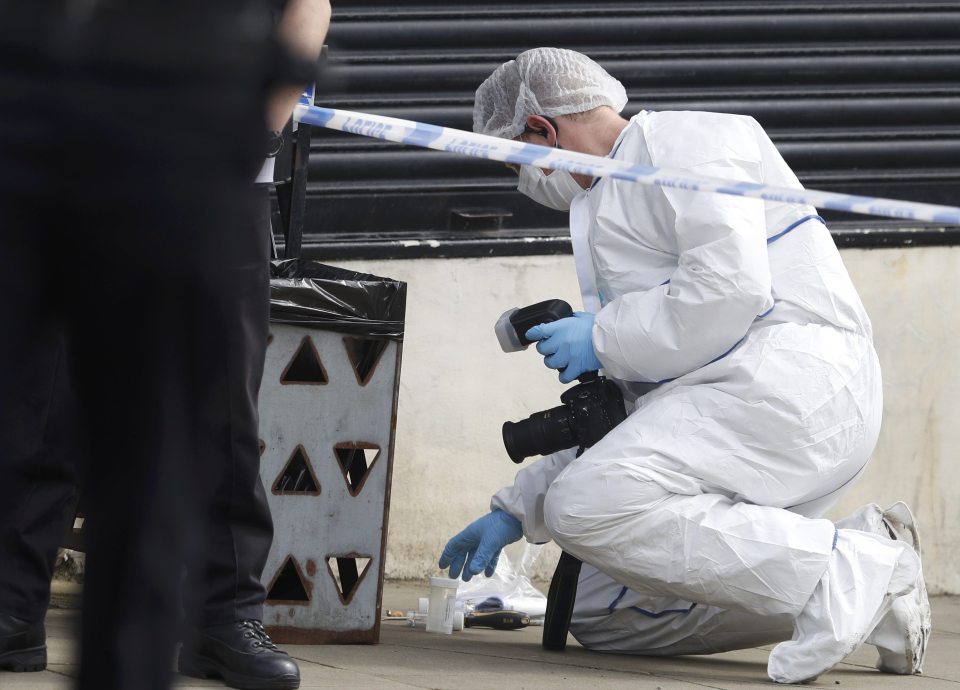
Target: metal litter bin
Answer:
pixel 328 405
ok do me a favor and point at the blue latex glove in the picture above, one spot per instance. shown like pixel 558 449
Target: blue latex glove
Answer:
pixel 477 548
pixel 567 344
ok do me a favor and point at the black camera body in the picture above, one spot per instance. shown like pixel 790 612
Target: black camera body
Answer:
pixel 588 410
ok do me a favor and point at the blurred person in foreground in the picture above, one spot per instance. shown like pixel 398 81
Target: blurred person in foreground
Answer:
pixel 753 389
pixel 226 637
pixel 129 134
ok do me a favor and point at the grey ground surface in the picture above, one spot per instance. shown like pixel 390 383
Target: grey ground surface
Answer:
pixel 480 659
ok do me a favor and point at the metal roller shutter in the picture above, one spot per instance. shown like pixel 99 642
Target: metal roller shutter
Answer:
pixel 860 96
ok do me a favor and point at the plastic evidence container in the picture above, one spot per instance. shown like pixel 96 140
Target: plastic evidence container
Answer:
pixel 443 602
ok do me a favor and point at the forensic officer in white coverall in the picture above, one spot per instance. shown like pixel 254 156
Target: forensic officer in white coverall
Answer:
pixel 753 391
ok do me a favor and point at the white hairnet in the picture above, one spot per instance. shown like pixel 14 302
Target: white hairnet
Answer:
pixel 542 81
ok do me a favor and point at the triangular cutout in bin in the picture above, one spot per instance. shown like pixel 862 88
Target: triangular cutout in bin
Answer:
pixel 288 585
pixel 305 367
pixel 297 477
pixel 347 571
pixel 364 354
pixel 356 460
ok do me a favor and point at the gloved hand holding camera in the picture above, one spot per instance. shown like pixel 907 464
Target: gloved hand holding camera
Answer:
pixel 589 410
pixel 567 345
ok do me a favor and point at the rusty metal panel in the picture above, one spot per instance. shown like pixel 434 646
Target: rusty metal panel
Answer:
pixel 327 421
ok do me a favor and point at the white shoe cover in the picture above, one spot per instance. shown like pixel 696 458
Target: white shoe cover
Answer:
pixel 865 575
pixel 902 635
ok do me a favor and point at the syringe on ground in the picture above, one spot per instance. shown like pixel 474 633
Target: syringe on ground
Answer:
pixel 498 620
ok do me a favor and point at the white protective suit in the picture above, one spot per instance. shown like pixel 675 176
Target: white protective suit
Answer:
pixel 747 359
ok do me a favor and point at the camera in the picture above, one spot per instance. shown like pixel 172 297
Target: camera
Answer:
pixel 588 410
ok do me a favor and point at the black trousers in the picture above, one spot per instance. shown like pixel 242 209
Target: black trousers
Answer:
pixel 226 579
pixel 42 488
pixel 225 583
pixel 127 142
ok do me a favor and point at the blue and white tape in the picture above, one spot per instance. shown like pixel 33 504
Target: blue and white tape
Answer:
pixel 507 151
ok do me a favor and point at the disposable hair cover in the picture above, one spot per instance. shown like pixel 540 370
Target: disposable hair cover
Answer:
pixel 542 81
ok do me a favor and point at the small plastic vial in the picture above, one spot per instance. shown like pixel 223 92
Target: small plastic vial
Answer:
pixel 443 602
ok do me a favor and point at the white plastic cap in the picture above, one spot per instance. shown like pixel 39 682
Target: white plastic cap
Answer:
pixel 507 334
pixel 542 81
pixel 445 582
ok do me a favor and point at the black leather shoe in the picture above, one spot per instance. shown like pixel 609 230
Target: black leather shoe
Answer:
pixel 23 645
pixel 240 653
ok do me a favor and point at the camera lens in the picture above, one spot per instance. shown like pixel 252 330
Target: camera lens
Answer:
pixel 541 433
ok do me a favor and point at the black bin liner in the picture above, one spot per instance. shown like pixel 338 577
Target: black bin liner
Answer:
pixel 313 295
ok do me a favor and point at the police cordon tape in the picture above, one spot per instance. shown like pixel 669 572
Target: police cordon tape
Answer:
pixel 519 153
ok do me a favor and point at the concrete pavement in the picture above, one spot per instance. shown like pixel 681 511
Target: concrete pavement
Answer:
pixel 480 659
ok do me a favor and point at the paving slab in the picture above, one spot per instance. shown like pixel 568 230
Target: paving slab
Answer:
pixel 482 659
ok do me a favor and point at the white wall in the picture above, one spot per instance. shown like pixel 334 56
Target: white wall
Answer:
pixel 457 388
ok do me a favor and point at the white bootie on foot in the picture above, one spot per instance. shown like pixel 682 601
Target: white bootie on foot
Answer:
pixel 866 573
pixel 902 635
